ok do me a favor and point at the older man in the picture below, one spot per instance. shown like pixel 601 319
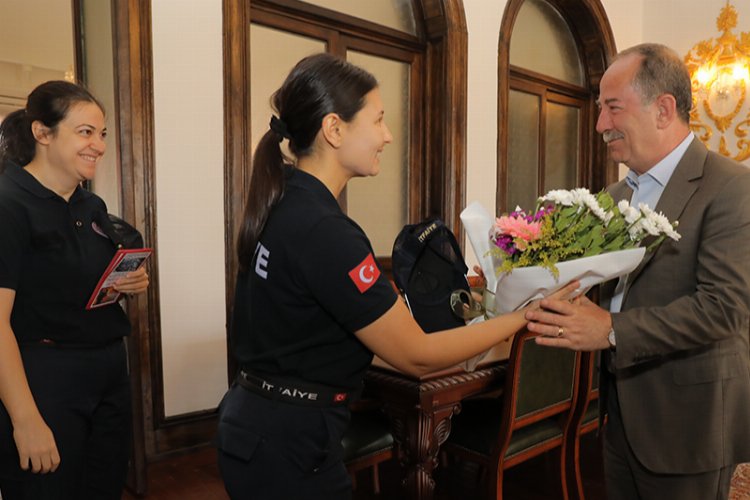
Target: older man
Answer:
pixel 675 373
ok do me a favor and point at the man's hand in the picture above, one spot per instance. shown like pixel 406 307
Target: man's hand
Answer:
pixel 580 326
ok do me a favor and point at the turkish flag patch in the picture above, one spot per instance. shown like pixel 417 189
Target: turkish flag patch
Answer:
pixel 365 274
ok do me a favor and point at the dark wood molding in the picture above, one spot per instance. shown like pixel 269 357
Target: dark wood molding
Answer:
pixel 555 91
pixel 559 86
pixel 445 111
pixel 133 91
pixel 79 41
pixel 312 15
pixel 591 29
pixel 237 132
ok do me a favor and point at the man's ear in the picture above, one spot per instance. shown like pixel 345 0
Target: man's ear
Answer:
pixel 331 129
pixel 41 132
pixel 666 107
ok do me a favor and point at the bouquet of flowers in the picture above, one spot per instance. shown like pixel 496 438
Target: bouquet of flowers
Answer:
pixel 567 225
pixel 571 234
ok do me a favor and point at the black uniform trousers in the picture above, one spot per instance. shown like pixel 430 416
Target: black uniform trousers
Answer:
pixel 627 479
pixel 274 450
pixel 83 395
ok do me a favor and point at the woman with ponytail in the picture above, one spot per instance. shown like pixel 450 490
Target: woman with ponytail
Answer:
pixel 312 305
pixel 64 387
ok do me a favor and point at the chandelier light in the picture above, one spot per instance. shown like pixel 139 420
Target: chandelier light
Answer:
pixel 720 74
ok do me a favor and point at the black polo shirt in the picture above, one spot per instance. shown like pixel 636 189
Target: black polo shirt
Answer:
pixel 52 255
pixel 312 283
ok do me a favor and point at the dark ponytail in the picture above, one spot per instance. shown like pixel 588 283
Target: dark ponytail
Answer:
pixel 49 103
pixel 17 143
pixel 318 85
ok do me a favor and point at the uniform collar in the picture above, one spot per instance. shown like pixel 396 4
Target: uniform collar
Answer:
pixel 302 179
pixel 28 182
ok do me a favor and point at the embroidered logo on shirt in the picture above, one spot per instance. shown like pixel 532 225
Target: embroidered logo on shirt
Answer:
pixel 365 274
pixel 261 261
pixel 98 230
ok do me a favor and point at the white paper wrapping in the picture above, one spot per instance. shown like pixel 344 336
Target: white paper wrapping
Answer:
pixel 478 223
pixel 516 289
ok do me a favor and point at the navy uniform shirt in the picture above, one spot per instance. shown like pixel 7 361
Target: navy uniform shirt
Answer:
pixel 52 254
pixel 312 283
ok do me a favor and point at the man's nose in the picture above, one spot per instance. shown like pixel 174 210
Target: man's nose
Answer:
pixel 603 123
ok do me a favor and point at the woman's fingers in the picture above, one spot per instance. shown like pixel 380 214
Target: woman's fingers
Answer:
pixel 567 292
pixel 134 282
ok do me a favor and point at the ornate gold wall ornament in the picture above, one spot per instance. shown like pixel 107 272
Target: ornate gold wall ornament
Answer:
pixel 720 75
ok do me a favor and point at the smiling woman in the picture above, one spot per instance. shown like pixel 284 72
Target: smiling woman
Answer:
pixel 312 304
pixel 72 149
pixel 64 386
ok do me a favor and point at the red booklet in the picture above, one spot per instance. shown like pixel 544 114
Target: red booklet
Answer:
pixel 123 262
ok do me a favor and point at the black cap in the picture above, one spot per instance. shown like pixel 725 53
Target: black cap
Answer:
pixel 428 267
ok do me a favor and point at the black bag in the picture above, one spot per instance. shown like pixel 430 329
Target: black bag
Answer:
pixel 428 267
pixel 122 234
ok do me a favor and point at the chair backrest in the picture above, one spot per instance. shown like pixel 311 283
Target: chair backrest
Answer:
pixel 541 383
pixel 586 412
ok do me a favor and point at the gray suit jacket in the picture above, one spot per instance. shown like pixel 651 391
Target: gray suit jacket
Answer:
pixel 682 359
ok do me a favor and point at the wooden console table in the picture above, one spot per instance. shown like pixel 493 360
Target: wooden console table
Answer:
pixel 420 410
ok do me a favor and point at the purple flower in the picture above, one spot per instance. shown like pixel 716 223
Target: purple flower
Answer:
pixel 505 243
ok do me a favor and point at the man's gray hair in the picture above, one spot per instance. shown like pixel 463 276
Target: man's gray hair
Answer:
pixel 662 72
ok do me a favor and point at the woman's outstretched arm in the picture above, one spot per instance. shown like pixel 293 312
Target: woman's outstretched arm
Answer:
pixel 398 339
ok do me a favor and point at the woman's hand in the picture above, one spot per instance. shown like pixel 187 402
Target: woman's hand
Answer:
pixel 569 292
pixel 134 282
pixel 481 276
pixel 36 445
pixel 34 440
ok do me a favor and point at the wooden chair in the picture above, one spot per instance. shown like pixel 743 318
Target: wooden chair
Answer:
pixel 585 419
pixel 528 419
pixel 367 442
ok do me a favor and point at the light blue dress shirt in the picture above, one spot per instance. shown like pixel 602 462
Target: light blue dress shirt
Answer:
pixel 648 188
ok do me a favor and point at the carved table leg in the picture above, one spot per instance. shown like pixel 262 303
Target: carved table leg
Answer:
pixel 419 434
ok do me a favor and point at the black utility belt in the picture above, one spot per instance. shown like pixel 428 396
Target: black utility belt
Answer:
pixel 297 392
pixel 71 345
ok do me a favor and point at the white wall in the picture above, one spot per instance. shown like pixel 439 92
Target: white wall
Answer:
pixel 36 45
pixel 189 164
pixel 483 19
pixel 37 33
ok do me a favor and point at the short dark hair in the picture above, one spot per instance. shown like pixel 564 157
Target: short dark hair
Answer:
pixel 662 72
pixel 48 103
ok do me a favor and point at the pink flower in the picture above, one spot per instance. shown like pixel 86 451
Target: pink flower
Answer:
pixel 518 227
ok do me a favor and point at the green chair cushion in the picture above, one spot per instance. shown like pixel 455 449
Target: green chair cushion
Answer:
pixel 532 435
pixel 546 377
pixel 477 428
pixel 368 433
